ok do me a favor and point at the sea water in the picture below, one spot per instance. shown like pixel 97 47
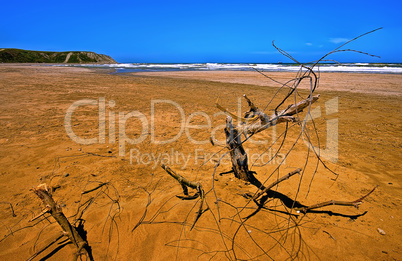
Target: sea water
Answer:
pixel 388 68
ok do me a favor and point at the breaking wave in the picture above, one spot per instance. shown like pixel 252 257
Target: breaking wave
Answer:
pixel 268 67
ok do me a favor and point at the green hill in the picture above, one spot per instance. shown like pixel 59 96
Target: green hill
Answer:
pixel 26 56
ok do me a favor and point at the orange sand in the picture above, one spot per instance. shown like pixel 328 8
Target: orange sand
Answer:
pixel 35 149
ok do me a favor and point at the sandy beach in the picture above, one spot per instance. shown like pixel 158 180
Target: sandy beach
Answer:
pixel 128 202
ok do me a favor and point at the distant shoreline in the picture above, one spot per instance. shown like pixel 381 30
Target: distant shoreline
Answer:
pixel 169 67
pixel 376 68
pixel 387 84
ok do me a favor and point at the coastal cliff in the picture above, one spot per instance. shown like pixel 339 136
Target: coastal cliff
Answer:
pixel 26 56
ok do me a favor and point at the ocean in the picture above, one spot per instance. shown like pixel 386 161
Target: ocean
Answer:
pixel 387 68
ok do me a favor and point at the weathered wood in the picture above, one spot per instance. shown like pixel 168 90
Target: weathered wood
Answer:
pixel 253 122
pixel 181 179
pixel 255 113
pixel 55 210
pixel 237 153
pixel 287 176
pixel 285 115
pixel 256 120
pixel 355 203
pixel 186 183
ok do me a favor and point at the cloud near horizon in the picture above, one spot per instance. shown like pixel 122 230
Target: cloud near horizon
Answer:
pixel 338 40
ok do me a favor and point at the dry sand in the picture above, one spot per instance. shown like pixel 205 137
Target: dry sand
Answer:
pixel 35 149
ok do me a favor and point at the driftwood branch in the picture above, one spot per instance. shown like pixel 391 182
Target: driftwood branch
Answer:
pixel 55 210
pixel 256 120
pixel 46 210
pixel 186 183
pixel 253 122
pixel 254 113
pixel 287 176
pixel 180 179
pixel 227 112
pixel 237 153
pixel 355 203
pixel 266 121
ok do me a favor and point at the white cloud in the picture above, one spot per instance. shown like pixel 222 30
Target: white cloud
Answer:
pixel 271 52
pixel 309 44
pixel 338 40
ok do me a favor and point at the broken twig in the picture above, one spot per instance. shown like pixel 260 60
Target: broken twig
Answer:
pixel 185 183
pixel 355 203
pixel 287 176
pixel 55 210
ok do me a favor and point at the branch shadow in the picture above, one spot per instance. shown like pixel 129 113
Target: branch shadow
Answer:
pixel 330 213
pixel 291 204
pixel 61 245
pixel 84 234
pixel 57 249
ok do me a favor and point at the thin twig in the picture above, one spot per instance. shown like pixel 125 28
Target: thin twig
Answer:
pixel 11 207
pixel 287 176
pixel 329 235
pixel 97 187
pixel 194 185
pixel 355 203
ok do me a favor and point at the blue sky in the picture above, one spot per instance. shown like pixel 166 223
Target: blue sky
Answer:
pixel 205 31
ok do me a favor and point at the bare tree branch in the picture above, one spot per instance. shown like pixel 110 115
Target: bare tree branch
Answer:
pixel 55 210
